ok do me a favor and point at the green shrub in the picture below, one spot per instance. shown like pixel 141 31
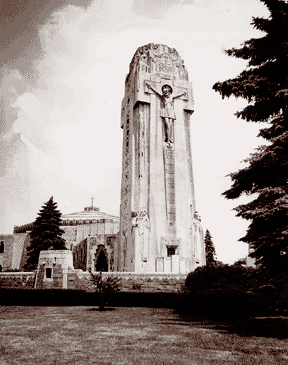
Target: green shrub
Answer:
pixel 105 288
pixel 219 292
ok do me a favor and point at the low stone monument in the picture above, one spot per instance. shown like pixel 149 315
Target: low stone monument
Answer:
pixel 53 267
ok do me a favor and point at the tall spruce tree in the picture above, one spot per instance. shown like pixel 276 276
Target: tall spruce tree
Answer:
pixel 46 233
pixel 264 84
pixel 209 249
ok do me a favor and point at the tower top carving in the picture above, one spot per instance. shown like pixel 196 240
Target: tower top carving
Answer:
pixel 160 61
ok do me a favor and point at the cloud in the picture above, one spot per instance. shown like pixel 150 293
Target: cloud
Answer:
pixel 19 25
pixel 32 116
pixel 155 9
pixel 20 132
pixel 20 49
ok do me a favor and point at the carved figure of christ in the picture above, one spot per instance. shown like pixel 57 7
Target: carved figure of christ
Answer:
pixel 167 109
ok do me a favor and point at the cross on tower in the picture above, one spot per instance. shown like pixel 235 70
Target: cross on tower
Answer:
pixel 92 201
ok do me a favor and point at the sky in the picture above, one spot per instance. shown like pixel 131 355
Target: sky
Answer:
pixel 63 68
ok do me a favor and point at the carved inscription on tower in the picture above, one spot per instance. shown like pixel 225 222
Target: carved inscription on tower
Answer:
pixel 169 163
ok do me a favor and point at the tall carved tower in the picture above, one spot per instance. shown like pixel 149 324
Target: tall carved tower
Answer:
pixel 160 230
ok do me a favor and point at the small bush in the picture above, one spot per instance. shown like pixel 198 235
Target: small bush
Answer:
pixel 105 288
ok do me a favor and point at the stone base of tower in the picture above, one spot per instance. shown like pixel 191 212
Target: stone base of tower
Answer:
pixel 174 264
pixel 143 257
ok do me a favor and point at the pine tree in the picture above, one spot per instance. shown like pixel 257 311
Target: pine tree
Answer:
pixel 46 233
pixel 264 84
pixel 209 249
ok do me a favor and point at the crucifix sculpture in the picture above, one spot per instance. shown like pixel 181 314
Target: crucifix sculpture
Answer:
pixel 167 109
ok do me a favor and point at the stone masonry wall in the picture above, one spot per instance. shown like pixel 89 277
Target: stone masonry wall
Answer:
pixel 17 280
pixel 20 239
pixel 80 255
pixel 131 282
pixel 40 278
pixel 70 235
pixel 8 240
pixel 24 252
pixel 55 283
pixel 78 279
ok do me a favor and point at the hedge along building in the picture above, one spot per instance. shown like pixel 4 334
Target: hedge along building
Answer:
pixel 160 230
pixel 89 234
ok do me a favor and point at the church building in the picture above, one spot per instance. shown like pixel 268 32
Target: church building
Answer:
pixel 89 234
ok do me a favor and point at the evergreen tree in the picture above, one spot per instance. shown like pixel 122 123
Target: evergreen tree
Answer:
pixel 264 84
pixel 46 233
pixel 209 249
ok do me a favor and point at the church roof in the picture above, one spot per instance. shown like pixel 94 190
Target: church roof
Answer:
pixel 91 214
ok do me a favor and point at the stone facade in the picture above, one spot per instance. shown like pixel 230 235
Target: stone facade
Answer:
pixel 158 217
pixel 96 252
pixel 13 245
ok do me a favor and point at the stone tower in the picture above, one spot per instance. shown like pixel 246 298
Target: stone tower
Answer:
pixel 160 230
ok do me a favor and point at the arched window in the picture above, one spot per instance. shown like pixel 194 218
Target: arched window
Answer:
pixel 2 247
pixel 102 263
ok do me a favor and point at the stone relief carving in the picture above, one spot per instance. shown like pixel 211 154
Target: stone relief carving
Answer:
pixel 167 111
pixel 144 221
pixel 124 247
pixel 126 190
pixel 161 60
pixel 125 205
pixel 165 63
pixel 144 231
pixel 169 173
pixel 134 216
pixel 124 232
pixel 171 241
pixel 141 220
pixel 197 216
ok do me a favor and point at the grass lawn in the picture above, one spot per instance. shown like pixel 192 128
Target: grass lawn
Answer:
pixel 83 335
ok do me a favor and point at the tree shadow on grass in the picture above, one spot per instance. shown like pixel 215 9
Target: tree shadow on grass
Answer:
pixel 100 310
pixel 275 327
